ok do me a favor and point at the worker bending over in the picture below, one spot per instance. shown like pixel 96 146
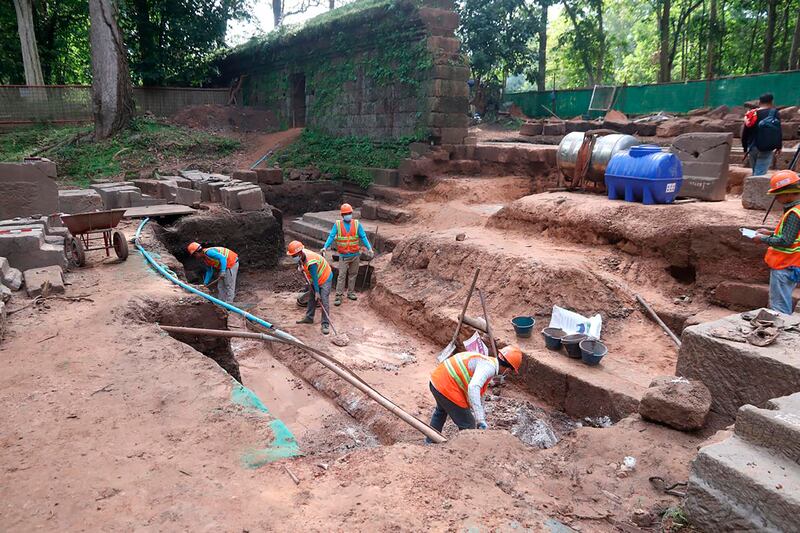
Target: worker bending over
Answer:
pixel 319 277
pixel 222 262
pixel 783 254
pixel 459 383
pixel 348 234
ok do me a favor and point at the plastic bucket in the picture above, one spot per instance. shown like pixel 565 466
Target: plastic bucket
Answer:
pixel 592 351
pixel 523 325
pixel 572 344
pixel 552 337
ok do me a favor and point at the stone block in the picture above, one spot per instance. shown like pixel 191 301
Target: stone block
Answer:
pixel 741 296
pixel 369 210
pixel 448 120
pixel 554 128
pixel 230 195
pixel 26 247
pixel 777 427
pixel 144 200
pixel 385 176
pixel 269 176
pixel 447 88
pixel 5 294
pixel 531 129
pixel 465 167
pixel 754 193
pixel 28 188
pixel 79 201
pixel 9 276
pixel 676 402
pixel 790 130
pixel 245 175
pixel 450 72
pixel 448 104
pixel 188 197
pixel 149 186
pixel 704 159
pixel 251 199
pixel 393 214
pixel 215 191
pixel 37 278
pixel 737 175
pixel 443 45
pixel 738 373
pixel 439 21
pixel 672 128
pixel 449 135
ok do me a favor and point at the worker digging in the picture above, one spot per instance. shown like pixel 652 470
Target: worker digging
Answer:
pixel 319 277
pixel 348 234
pixel 222 265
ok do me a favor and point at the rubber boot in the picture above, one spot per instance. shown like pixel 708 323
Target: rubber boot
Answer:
pixel 338 300
pixel 352 296
pixel 305 320
pixel 325 329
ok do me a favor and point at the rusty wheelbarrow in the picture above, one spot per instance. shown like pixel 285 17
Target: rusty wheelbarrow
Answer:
pixel 89 230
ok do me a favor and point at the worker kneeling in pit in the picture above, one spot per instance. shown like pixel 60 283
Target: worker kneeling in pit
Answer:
pixel 223 262
pixel 458 385
pixel 319 278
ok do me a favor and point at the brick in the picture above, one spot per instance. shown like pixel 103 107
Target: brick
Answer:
pixel 251 199
pixel 245 175
pixel 36 278
pixel 270 176
pixel 184 196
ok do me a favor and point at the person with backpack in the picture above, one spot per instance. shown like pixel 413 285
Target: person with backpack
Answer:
pixel 761 135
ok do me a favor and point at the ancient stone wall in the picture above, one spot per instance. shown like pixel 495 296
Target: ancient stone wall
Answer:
pixel 390 70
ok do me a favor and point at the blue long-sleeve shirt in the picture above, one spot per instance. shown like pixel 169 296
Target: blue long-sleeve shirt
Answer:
pixel 361 235
pixel 223 265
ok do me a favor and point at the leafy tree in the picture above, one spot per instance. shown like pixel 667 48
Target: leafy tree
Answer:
pixel 588 39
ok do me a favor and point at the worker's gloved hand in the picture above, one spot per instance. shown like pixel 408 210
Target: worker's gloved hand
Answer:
pixel 482 425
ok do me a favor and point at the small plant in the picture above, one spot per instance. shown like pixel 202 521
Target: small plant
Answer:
pixel 674 519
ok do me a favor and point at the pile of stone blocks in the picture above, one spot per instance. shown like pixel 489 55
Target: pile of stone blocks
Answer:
pixel 192 187
pixel 122 194
pixel 32 242
pixel 28 188
pixel 739 373
pixel 751 480
pixel 705 160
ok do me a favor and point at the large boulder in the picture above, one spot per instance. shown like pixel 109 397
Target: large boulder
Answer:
pixel 676 402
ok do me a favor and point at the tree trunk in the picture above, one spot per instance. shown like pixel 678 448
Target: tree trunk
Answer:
pixel 769 36
pixel 794 60
pixel 664 74
pixel 277 12
pixel 112 95
pixel 27 41
pixel 712 40
pixel 542 72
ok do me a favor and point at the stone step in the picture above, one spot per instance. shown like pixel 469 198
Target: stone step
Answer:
pixel 777 427
pixel 313 230
pixel 308 241
pixel 736 486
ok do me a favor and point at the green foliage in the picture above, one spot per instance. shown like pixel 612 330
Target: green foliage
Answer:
pixel 674 520
pixel 81 160
pixel 343 157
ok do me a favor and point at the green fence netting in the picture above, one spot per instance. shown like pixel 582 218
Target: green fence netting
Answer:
pixel 677 97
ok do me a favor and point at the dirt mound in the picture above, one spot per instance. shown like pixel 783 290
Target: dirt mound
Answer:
pixel 226 118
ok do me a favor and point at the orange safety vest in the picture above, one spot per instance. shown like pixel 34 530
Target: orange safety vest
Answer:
pixel 323 268
pixel 780 258
pixel 230 256
pixel 347 241
pixel 452 377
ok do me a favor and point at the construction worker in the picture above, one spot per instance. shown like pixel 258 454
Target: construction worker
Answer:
pixel 319 277
pixel 347 233
pixel 783 254
pixel 223 262
pixel 459 383
pixel 762 135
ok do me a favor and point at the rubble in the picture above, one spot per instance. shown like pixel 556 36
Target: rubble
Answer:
pixel 676 402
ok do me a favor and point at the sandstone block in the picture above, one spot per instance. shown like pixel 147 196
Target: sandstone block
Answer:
pixel 269 176
pixel 554 128
pixel 188 197
pixel 704 159
pixel 28 188
pixel 79 201
pixel 754 194
pixel 676 402
pixel 245 175
pixel 251 199
pixel 531 129
pixel 10 276
pixel 37 279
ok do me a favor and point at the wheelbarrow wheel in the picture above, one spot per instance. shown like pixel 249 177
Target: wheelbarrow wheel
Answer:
pixel 73 249
pixel 120 245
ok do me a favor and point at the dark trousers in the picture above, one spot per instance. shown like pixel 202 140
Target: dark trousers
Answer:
pixel 324 295
pixel 461 416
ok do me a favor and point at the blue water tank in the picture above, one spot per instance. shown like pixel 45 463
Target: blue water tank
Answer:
pixel 646 174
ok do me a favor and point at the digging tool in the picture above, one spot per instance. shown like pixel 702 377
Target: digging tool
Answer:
pixel 658 320
pixel 366 271
pixel 768 210
pixel 451 347
pixel 795 158
pixel 493 344
pixel 338 340
pixel 330 363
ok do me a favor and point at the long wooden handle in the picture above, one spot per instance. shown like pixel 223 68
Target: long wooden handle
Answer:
pixel 466 304
pixel 658 320
pixel 488 325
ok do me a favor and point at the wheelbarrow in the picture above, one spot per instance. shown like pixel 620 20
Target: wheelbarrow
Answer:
pixel 94 231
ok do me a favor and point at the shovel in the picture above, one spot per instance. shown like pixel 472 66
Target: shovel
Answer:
pixel 451 348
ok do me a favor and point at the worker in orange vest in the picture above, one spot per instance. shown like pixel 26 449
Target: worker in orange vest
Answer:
pixel 348 234
pixel 783 254
pixel 319 277
pixel 223 262
pixel 459 383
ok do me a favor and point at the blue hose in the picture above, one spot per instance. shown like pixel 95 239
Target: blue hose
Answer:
pixel 161 269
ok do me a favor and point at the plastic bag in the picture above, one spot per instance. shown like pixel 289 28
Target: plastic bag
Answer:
pixel 475 344
pixel 572 322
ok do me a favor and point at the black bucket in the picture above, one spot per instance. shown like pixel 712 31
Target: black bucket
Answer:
pixel 523 325
pixel 572 344
pixel 552 337
pixel 592 351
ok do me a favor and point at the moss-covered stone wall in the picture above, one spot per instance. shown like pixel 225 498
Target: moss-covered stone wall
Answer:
pixel 390 69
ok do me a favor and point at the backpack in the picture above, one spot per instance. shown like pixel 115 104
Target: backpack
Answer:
pixel 768 134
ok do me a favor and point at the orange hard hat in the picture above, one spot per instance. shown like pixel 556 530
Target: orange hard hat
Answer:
pixel 193 247
pixel 295 247
pixel 346 209
pixel 512 356
pixel 781 180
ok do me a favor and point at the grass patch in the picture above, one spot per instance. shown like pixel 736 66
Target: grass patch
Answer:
pixel 343 157
pixel 82 161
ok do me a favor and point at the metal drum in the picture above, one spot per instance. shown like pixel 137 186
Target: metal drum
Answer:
pixel 604 147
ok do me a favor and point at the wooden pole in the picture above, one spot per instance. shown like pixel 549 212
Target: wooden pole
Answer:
pixel 330 363
pixel 658 320
pixel 488 325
